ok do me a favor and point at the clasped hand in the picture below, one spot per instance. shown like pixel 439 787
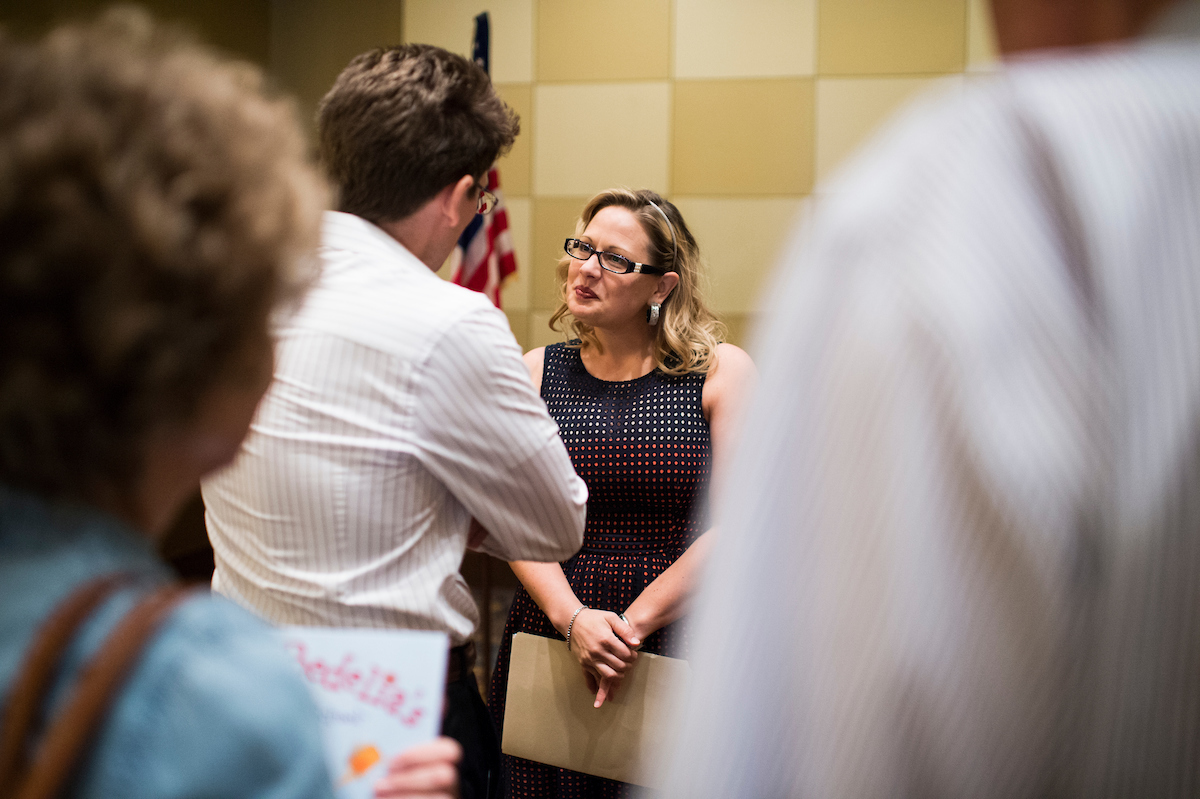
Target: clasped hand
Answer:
pixel 606 647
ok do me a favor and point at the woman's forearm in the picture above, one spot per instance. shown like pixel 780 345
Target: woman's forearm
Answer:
pixel 549 588
pixel 666 598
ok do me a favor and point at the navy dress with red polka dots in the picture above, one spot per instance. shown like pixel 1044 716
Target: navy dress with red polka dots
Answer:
pixel 642 446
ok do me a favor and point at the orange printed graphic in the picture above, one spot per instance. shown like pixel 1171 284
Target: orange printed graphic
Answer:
pixel 361 760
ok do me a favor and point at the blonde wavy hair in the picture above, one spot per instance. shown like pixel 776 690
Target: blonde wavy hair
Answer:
pixel 687 333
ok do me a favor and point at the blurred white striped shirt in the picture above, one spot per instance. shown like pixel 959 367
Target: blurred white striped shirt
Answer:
pixel 400 409
pixel 959 553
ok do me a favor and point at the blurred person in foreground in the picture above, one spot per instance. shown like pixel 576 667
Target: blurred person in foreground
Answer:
pixel 644 395
pixel 401 416
pixel 155 209
pixel 960 550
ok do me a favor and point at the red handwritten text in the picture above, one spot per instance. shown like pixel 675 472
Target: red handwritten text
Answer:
pixel 373 686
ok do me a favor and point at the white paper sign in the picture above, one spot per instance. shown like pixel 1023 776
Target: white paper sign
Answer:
pixel 379 692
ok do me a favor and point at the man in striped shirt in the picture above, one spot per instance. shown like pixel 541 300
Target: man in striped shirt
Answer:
pixel 960 547
pixel 401 414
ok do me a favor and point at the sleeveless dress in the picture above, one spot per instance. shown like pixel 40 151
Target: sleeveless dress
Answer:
pixel 642 446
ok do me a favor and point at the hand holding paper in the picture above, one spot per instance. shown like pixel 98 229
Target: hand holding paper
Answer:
pixel 603 644
pixel 603 689
pixel 379 692
pixel 550 717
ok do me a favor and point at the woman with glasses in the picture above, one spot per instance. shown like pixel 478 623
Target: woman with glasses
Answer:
pixel 644 396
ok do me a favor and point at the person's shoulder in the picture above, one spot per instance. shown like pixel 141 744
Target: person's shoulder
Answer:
pixel 364 266
pixel 216 705
pixel 731 358
pixel 468 319
pixel 215 647
pixel 732 371
pixel 1126 94
pixel 535 362
pixel 920 140
pixel 935 159
pixel 388 301
pixel 535 358
pixel 469 348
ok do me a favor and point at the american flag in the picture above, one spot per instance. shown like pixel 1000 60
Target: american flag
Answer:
pixel 484 255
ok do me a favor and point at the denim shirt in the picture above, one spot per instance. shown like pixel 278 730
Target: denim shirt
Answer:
pixel 212 708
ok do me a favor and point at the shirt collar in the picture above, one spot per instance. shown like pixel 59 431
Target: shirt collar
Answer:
pixel 350 233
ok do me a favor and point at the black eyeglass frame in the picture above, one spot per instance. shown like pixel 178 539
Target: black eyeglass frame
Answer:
pixel 632 266
pixel 486 203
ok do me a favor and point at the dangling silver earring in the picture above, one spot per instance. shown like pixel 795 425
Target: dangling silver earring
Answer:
pixel 652 314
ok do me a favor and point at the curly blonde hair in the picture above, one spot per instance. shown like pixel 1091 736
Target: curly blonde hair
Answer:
pixel 687 333
pixel 155 208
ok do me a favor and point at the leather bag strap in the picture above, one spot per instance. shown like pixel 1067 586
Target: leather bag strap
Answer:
pixel 34 679
pixel 65 741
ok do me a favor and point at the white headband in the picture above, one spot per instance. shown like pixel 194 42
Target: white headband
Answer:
pixel 674 244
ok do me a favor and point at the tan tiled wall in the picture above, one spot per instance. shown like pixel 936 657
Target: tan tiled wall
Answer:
pixel 735 110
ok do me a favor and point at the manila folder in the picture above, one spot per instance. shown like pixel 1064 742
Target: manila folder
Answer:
pixel 549 717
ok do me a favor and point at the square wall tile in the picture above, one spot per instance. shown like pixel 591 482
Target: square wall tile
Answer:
pixel 450 24
pixel 553 222
pixel 515 293
pixel 750 38
pixel 739 329
pixel 850 109
pixel 740 241
pixel 540 334
pixel 983 53
pixel 516 168
pixel 889 37
pixel 743 136
pixel 571 39
pixel 576 153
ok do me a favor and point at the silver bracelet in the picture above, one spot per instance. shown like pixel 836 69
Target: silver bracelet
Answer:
pixel 582 608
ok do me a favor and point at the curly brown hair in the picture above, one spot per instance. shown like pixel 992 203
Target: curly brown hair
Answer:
pixel 402 123
pixel 687 333
pixel 155 208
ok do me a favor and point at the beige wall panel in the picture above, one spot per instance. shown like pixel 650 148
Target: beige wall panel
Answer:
pixel 743 137
pixel 740 240
pixel 576 153
pixel 888 37
pixel 540 333
pixel 750 38
pixel 574 39
pixel 516 168
pixel 849 110
pixel 313 40
pixel 515 293
pixel 518 322
pixel 982 53
pixel 553 221
pixel 451 24
pixel 739 327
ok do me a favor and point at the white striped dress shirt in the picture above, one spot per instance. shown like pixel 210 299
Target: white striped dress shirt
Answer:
pixel 400 409
pixel 959 552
